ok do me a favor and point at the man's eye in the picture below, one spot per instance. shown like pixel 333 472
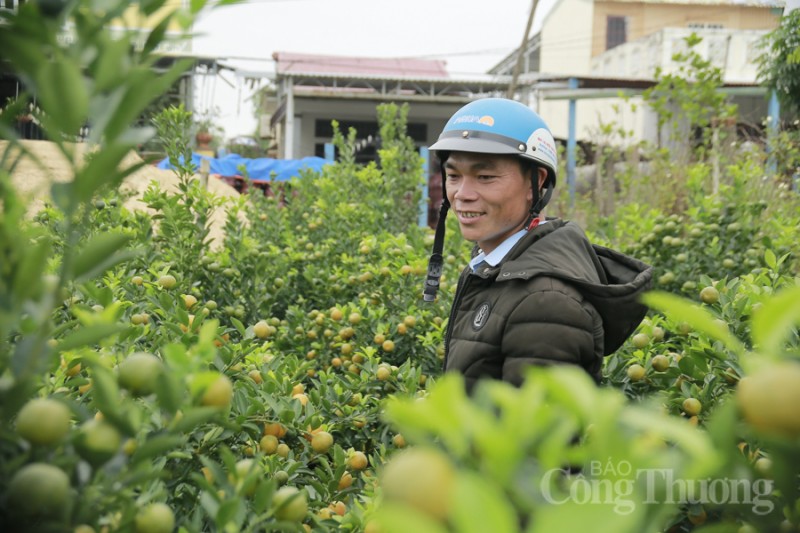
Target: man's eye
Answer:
pixel 452 176
pixel 485 177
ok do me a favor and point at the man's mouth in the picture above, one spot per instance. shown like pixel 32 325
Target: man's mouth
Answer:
pixel 468 215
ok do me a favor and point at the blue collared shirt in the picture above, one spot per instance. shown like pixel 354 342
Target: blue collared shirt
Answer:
pixel 494 257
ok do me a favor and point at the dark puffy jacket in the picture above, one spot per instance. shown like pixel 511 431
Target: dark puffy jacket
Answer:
pixel 555 298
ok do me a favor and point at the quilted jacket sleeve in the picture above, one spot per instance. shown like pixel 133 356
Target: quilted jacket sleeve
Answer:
pixel 553 324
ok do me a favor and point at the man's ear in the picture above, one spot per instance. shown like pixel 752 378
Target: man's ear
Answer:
pixel 542 176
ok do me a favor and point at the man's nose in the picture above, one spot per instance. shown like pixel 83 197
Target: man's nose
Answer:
pixel 465 191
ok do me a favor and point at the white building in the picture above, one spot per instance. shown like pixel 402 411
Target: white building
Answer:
pixel 611 45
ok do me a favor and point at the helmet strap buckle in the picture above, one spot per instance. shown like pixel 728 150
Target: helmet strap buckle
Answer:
pixel 532 223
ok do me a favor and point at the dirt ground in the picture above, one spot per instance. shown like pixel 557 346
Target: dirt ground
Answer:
pixel 33 181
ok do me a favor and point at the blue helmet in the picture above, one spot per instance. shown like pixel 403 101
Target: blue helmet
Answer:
pixel 492 126
pixel 500 126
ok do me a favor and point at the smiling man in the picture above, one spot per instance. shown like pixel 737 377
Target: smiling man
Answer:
pixel 536 291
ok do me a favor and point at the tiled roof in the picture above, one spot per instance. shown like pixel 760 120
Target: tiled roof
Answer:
pixel 294 63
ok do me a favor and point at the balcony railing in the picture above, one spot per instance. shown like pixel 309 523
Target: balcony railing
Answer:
pixel 733 51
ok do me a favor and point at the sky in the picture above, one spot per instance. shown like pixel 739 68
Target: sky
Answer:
pixel 470 35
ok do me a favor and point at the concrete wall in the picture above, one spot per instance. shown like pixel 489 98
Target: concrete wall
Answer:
pixel 646 18
pixel 733 51
pixel 635 118
pixel 592 114
pixel 566 38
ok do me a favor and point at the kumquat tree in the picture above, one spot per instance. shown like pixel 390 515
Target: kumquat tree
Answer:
pixel 193 361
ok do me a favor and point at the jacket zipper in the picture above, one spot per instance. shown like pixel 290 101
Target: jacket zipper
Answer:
pixel 463 281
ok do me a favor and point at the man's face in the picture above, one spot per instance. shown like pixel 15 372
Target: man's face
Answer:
pixel 490 195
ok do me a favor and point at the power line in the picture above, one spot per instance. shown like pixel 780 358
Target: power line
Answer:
pixel 564 45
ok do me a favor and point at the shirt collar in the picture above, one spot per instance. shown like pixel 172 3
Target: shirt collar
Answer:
pixel 494 257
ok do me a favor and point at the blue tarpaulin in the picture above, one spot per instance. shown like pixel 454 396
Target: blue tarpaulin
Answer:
pixel 261 169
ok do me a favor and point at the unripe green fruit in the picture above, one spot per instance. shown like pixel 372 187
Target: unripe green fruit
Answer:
pixel 39 490
pixel 420 478
pixel 660 363
pixel 155 518
pixel 709 295
pixel 290 504
pixel 138 373
pixel 168 281
pixel 636 372
pixel 219 393
pixel 692 406
pixel 640 340
pixel 43 421
pixel 97 442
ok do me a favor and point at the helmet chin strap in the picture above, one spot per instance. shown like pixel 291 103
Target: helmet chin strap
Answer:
pixel 538 203
pixel 436 261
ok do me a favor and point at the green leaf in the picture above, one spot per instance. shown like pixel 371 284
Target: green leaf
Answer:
pixel 105 390
pixel 89 336
pixel 208 332
pixel 446 412
pixel 155 446
pixel 692 441
pixel 61 193
pixel 770 259
pixel 687 366
pixel 238 325
pixel 572 387
pixel 479 506
pixel 157 35
pixel 98 255
pixel 175 355
pixel 26 54
pixel 103 170
pixel 169 392
pixel 571 516
pixel 701 320
pixel 112 63
pixel 773 322
pixel 149 7
pixel 394 518
pixel 27 358
pixel 29 271
pixel 63 95
pixel 143 88
pixel 193 417
pixel 209 503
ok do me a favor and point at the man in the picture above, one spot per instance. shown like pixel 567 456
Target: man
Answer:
pixel 536 291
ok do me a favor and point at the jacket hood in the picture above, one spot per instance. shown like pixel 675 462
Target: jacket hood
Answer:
pixel 611 281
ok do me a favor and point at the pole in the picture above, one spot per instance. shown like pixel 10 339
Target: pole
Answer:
pixel 288 150
pixel 521 52
pixel 774 112
pixel 205 168
pixel 572 144
pixel 330 152
pixel 423 201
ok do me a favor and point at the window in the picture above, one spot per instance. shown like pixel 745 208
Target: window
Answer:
pixel 616 31
pixel 367 141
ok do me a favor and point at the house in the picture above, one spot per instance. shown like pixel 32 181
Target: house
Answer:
pixel 309 91
pixel 585 50
pixel 174 46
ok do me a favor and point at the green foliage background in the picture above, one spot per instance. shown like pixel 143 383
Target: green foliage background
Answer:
pixel 309 318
